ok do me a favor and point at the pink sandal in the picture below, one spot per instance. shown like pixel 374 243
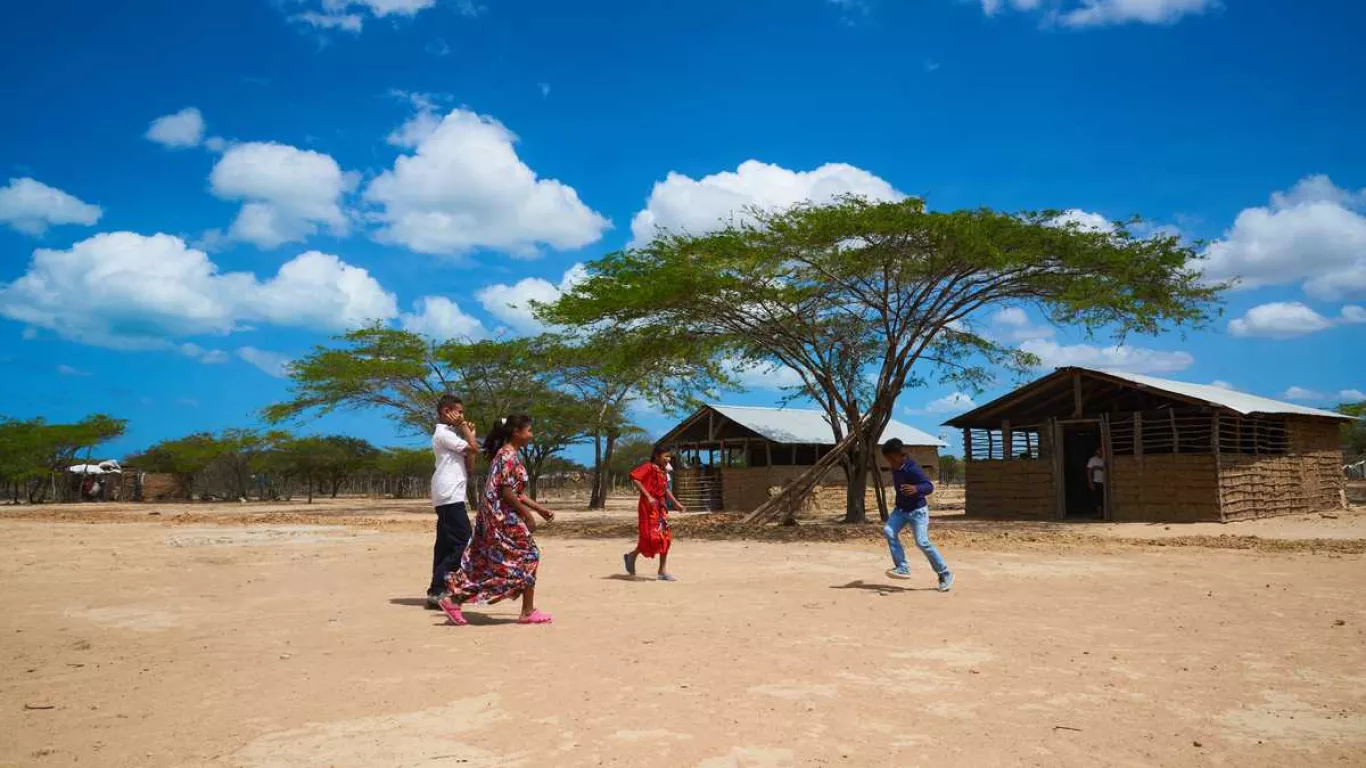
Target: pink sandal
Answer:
pixel 453 612
pixel 535 617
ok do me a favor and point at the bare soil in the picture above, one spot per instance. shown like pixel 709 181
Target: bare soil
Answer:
pixel 257 636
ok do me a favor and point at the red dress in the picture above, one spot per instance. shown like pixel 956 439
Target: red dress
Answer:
pixel 502 557
pixel 654 520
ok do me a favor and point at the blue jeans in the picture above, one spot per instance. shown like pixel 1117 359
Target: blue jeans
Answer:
pixel 919 520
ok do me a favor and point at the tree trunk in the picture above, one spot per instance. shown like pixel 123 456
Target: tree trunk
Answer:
pixel 602 482
pixel 597 497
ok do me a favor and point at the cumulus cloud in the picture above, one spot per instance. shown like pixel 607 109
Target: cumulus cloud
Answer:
pixel 1084 220
pixel 288 193
pixel 1116 358
pixel 774 378
pixel 464 188
pixel 350 15
pixel 273 363
pixel 1279 320
pixel 130 291
pixel 205 356
pixel 1314 234
pixel 181 130
pixel 30 206
pixel 697 206
pixel 954 402
pixel 1352 314
pixel 1302 394
pixel 1351 395
pixel 441 319
pixel 1220 383
pixel 511 304
pixel 1013 324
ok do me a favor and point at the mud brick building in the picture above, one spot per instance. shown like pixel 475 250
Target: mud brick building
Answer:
pixel 733 458
pixel 1175 452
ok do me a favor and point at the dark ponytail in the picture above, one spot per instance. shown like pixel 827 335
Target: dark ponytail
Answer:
pixel 501 432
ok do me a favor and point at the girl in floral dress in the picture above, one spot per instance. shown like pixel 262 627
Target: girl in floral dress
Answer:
pixel 501 559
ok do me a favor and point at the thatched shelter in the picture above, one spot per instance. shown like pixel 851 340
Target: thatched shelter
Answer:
pixel 733 458
pixel 1174 451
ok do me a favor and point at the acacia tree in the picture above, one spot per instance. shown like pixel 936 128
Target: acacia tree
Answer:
pixel 184 457
pixel 1354 432
pixel 32 451
pixel 863 299
pixel 609 369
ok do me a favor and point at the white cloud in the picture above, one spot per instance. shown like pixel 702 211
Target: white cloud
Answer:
pixel 1352 314
pixel 1300 393
pixel 993 7
pixel 1351 395
pixel 1117 358
pixel 441 319
pixel 1098 13
pixel 1279 320
pixel 1314 234
pixel 464 188
pixel 1084 221
pixel 178 131
pixel 774 378
pixel 67 370
pixel 954 402
pixel 349 15
pixel 273 363
pixel 288 192
pixel 1014 324
pixel 682 204
pixel 130 291
pixel 1220 383
pixel 511 304
pixel 30 206
pixel 205 356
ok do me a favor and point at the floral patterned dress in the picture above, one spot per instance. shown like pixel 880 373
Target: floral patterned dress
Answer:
pixel 501 559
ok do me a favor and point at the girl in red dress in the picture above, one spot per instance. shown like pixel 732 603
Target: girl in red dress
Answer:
pixel 652 482
pixel 502 557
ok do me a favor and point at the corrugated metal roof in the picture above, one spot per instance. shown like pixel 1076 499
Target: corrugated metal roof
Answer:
pixel 808 427
pixel 1227 398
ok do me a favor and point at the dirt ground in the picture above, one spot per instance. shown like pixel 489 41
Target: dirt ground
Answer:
pixel 255 637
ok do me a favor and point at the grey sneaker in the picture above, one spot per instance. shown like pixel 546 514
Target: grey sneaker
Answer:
pixel 900 572
pixel 432 603
pixel 946 581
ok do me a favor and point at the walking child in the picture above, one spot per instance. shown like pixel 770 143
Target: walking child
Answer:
pixel 502 558
pixel 453 446
pixel 912 486
pixel 651 480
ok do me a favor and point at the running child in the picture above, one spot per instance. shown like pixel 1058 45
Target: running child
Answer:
pixel 912 486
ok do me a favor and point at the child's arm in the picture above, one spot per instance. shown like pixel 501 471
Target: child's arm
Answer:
pixel 918 482
pixel 674 500
pixel 640 488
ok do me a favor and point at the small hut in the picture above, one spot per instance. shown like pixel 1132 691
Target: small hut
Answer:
pixel 733 457
pixel 1175 452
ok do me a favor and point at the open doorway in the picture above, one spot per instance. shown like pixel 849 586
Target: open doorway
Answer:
pixel 1079 444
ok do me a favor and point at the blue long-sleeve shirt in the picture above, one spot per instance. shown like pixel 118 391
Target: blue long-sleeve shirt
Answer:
pixel 911 474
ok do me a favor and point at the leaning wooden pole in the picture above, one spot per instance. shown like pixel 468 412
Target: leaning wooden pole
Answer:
pixel 795 491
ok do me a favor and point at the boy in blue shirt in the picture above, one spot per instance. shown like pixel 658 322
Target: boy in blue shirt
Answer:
pixel 912 486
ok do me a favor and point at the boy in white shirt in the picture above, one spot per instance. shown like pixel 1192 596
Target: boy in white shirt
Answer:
pixel 1095 479
pixel 453 446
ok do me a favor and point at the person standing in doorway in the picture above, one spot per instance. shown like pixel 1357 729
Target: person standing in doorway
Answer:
pixel 452 446
pixel 653 535
pixel 912 486
pixel 1095 480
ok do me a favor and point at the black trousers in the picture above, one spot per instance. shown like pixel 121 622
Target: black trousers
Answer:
pixel 452 534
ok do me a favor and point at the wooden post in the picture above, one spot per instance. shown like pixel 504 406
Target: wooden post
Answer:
pixel 967 444
pixel 1007 441
pixel 1059 469
pixel 1176 438
pixel 1109 466
pixel 1076 395
pixel 1138 434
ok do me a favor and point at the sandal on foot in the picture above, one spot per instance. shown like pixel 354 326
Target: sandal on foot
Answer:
pixel 535 617
pixel 630 564
pixel 453 613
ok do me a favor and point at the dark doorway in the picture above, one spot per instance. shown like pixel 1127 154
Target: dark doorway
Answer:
pixel 1079 444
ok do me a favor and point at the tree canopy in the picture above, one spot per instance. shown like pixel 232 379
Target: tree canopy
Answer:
pixel 864 299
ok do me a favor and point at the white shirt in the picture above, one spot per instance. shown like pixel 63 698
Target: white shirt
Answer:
pixel 1096 467
pixel 449 479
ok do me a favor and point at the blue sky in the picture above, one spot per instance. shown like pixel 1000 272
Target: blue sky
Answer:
pixel 193 193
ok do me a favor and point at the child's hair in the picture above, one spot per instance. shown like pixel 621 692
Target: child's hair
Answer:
pixel 659 450
pixel 893 447
pixel 447 402
pixel 502 431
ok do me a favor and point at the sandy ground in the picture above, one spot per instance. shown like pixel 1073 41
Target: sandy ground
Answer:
pixel 207 637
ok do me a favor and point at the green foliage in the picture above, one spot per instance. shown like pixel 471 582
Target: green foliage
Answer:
pixel 33 449
pixel 631 453
pixel 950 469
pixel 863 299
